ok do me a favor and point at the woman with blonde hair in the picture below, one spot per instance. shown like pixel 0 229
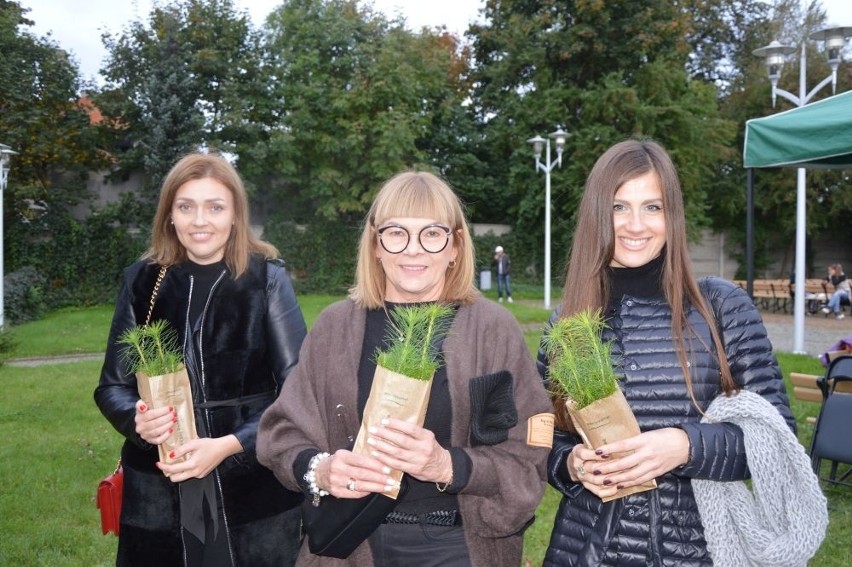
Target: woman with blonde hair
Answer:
pixel 234 310
pixel 474 479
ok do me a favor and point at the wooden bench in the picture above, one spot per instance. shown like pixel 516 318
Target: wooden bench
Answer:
pixel 771 294
pixel 806 388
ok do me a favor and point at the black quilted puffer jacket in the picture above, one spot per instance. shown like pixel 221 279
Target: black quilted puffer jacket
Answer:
pixel 662 527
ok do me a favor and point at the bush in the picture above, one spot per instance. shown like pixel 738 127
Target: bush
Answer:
pixel 23 295
pixel 78 262
pixel 321 256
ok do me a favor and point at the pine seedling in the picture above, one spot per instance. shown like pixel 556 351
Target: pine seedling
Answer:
pixel 414 329
pixel 152 349
pixel 580 366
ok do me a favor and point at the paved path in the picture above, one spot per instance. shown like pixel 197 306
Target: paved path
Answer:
pixel 61 359
pixel 820 332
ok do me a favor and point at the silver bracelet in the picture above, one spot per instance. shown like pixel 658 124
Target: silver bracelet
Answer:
pixel 311 478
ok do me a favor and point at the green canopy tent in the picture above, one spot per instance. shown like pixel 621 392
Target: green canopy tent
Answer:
pixel 817 135
pixel 813 136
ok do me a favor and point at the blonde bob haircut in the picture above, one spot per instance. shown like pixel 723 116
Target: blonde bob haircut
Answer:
pixel 165 247
pixel 414 194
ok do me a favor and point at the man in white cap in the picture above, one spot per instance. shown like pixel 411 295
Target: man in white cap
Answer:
pixel 504 267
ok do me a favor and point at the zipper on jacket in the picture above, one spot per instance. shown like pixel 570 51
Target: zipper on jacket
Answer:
pixel 205 411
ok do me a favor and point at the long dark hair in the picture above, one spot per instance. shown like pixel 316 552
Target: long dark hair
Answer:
pixel 586 284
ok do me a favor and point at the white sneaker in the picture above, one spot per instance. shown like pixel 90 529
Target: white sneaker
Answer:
pixel 839 315
pixel 510 300
pixel 826 310
pixel 499 300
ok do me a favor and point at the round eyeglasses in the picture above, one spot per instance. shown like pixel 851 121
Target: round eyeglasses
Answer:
pixel 433 238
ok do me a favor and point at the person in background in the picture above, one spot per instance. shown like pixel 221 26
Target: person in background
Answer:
pixel 837 278
pixel 476 467
pixel 677 343
pixel 235 312
pixel 503 265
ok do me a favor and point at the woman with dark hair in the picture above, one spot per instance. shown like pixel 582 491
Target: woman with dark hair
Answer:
pixel 240 329
pixel 677 343
pixel 475 469
pixel 837 278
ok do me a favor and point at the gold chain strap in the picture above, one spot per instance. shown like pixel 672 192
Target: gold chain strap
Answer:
pixel 155 292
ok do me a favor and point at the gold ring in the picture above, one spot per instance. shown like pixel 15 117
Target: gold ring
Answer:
pixel 350 486
pixel 580 470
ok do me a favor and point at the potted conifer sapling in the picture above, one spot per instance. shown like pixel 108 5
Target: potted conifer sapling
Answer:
pixel 403 378
pixel 152 352
pixel 582 376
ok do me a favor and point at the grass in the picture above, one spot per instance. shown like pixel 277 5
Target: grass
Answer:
pixel 55 446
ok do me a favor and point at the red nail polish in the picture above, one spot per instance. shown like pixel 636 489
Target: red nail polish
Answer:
pixel 596 473
pixel 619 487
pixel 607 482
pixel 172 455
pixel 143 407
pixel 171 431
pixel 598 452
pixel 174 418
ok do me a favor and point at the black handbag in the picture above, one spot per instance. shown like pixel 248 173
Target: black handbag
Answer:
pixel 338 525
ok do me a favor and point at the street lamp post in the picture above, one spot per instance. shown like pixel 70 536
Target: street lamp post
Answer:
pixel 539 143
pixel 774 53
pixel 6 154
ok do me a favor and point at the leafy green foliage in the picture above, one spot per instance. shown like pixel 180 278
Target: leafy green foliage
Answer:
pixel 152 349
pixel 413 332
pixel 42 118
pixel 580 365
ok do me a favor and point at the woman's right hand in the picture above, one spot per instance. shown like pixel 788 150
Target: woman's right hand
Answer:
pixel 154 425
pixel 345 470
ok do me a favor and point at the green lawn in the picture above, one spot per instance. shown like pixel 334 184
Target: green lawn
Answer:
pixel 55 446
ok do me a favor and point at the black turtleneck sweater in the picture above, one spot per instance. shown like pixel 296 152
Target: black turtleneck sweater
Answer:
pixel 644 281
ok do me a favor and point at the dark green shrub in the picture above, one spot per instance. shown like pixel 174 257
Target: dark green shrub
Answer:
pixel 320 256
pixel 24 295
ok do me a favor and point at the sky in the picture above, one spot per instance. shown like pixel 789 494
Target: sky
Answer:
pixel 77 25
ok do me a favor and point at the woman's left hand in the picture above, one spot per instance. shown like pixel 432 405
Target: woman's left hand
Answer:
pixel 412 449
pixel 204 455
pixel 654 453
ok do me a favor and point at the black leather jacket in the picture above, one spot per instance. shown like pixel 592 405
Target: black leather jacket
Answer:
pixel 237 356
pixel 663 526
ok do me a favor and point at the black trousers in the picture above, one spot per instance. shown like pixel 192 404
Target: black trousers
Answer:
pixel 404 545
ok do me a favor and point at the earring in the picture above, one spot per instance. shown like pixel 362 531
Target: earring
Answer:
pixel 452 264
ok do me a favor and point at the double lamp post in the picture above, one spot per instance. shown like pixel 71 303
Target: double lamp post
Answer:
pixel 775 54
pixel 539 144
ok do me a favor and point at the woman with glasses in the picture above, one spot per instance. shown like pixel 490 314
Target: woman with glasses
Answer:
pixel 476 468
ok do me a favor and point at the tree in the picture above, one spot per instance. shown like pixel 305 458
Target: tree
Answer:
pixel 360 99
pixel 42 119
pixel 604 71
pixel 186 80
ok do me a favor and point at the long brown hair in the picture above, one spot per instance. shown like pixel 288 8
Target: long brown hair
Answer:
pixel 165 247
pixel 586 283
pixel 414 194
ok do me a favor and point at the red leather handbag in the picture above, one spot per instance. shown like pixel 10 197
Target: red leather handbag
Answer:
pixel 110 490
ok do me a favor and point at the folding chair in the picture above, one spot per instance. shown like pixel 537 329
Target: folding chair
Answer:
pixel 831 439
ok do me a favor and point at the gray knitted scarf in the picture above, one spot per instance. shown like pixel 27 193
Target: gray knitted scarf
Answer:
pixel 781 522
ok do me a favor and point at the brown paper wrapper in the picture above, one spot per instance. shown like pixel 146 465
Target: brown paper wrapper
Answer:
pixel 397 396
pixel 604 421
pixel 170 390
